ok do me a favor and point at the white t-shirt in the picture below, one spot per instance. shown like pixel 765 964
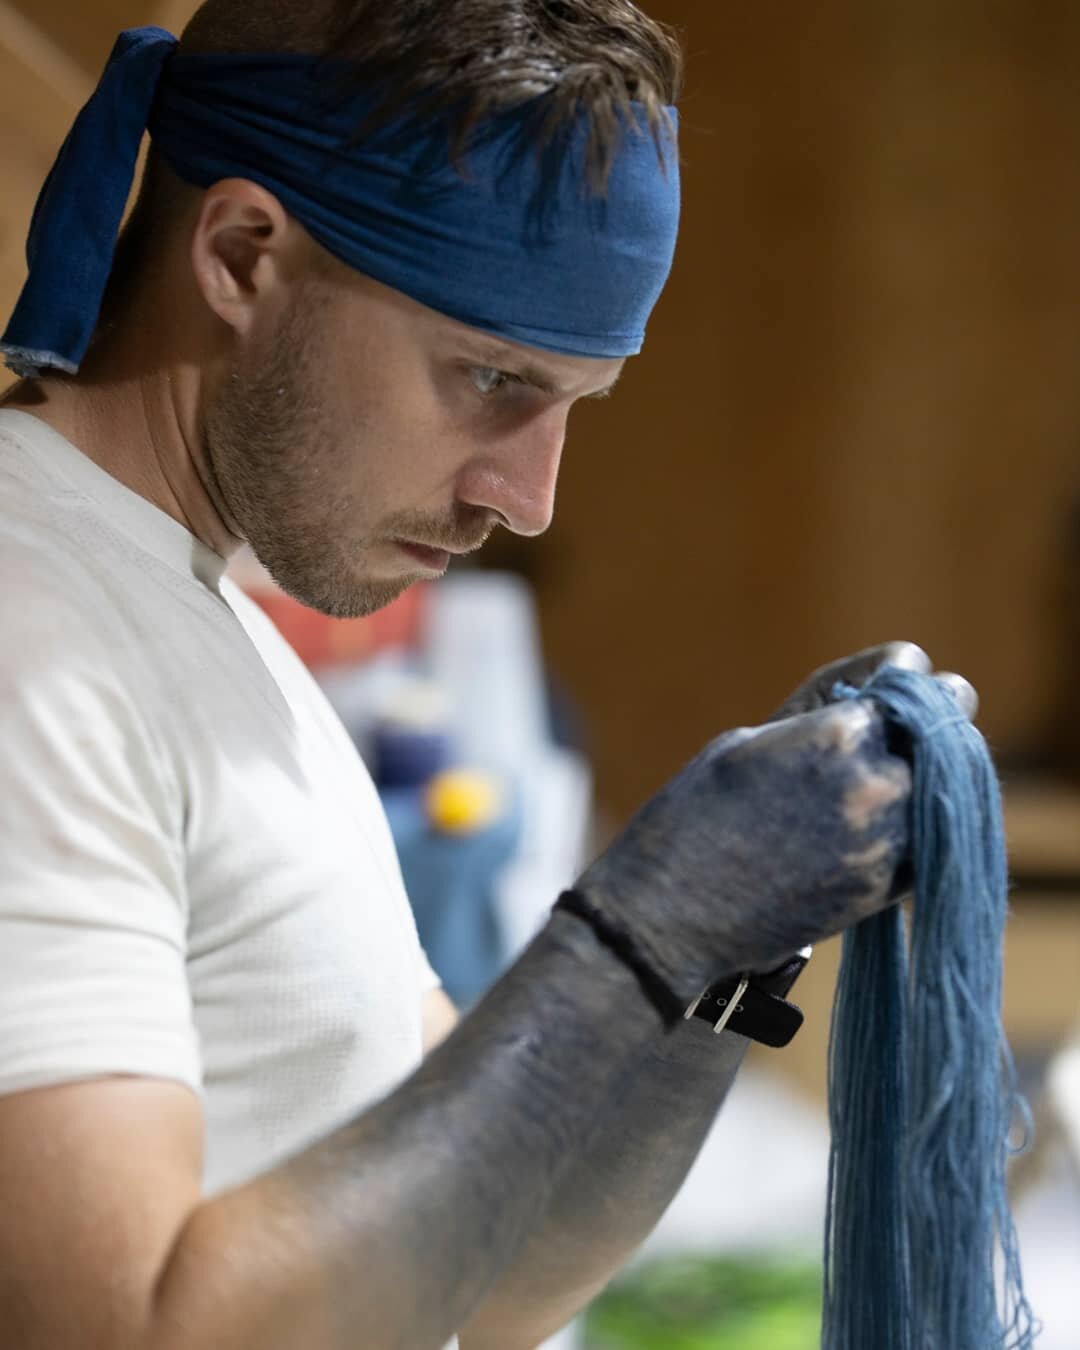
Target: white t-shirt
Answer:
pixel 197 881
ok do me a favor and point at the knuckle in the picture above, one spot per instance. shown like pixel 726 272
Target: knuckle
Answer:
pixel 846 727
pixel 869 802
pixel 728 741
pixel 962 690
pixel 908 656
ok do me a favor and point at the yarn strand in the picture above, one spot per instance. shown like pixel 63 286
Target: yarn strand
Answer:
pixel 922 1091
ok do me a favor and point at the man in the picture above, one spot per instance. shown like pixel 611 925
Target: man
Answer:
pixel 330 334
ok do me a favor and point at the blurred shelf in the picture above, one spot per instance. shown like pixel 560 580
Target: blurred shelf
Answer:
pixel 1042 825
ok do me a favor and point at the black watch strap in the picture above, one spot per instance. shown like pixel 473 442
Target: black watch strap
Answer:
pixel 754 1005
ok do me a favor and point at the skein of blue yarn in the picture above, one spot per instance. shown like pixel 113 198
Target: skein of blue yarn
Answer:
pixel 920 1248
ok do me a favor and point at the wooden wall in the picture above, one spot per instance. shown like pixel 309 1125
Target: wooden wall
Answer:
pixel 858 413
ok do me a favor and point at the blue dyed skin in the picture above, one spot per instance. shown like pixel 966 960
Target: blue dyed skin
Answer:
pixel 502 1185
pixel 774 837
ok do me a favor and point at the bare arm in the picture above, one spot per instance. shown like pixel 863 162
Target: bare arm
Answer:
pixel 440 1017
pixel 390 1233
pixel 387 1234
pixel 653 1125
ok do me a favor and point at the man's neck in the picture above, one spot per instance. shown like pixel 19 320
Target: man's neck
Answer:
pixel 139 426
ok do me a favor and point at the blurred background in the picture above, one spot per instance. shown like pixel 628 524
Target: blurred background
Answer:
pixel 857 418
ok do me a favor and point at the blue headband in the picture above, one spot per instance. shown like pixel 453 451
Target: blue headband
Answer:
pixel 514 245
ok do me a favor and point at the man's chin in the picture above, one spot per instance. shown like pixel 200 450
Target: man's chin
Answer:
pixel 344 597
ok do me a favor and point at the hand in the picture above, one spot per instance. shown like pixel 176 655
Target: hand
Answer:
pixel 772 838
pixel 816 690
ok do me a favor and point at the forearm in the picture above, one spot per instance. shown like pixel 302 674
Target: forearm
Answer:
pixel 389 1233
pixel 650 1130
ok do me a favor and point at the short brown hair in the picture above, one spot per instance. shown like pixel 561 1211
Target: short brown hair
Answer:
pixel 460 60
pixel 465 59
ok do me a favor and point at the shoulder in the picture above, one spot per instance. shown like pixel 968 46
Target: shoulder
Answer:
pixel 55 615
pixel 74 693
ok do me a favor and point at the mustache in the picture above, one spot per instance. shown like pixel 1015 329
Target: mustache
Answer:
pixel 467 530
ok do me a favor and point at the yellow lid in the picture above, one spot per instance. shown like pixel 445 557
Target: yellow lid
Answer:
pixel 462 801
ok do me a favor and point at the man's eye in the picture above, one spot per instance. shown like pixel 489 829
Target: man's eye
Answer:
pixel 488 380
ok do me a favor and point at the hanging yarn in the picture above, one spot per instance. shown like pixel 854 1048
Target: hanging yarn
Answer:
pixel 920 1248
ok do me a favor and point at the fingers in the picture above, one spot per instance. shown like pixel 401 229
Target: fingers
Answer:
pixel 962 690
pixel 909 656
pixel 906 655
pixel 864 665
pixel 859 670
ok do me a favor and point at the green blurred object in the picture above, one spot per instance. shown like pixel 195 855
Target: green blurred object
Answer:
pixel 711 1303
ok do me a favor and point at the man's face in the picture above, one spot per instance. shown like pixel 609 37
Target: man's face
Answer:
pixel 361 438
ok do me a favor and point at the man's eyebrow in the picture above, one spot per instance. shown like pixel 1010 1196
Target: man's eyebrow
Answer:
pixel 506 358
pixel 532 375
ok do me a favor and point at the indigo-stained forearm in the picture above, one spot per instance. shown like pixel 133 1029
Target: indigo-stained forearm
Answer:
pixel 388 1234
pixel 650 1130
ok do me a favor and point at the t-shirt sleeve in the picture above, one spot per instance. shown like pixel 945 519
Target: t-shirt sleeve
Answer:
pixel 92 899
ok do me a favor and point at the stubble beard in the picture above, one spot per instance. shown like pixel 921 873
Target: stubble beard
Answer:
pixel 272 460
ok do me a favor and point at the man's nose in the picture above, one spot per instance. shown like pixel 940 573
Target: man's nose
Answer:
pixel 516 479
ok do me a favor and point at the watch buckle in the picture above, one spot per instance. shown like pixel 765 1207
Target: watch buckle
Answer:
pixel 733 1004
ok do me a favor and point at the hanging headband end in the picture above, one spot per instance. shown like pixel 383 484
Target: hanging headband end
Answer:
pixel 29 364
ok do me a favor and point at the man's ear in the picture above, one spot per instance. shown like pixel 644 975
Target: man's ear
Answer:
pixel 243 251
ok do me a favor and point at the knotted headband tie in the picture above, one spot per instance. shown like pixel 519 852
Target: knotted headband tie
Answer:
pixel 512 243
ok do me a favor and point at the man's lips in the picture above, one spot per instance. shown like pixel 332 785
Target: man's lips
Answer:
pixel 431 559
pixel 438 558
